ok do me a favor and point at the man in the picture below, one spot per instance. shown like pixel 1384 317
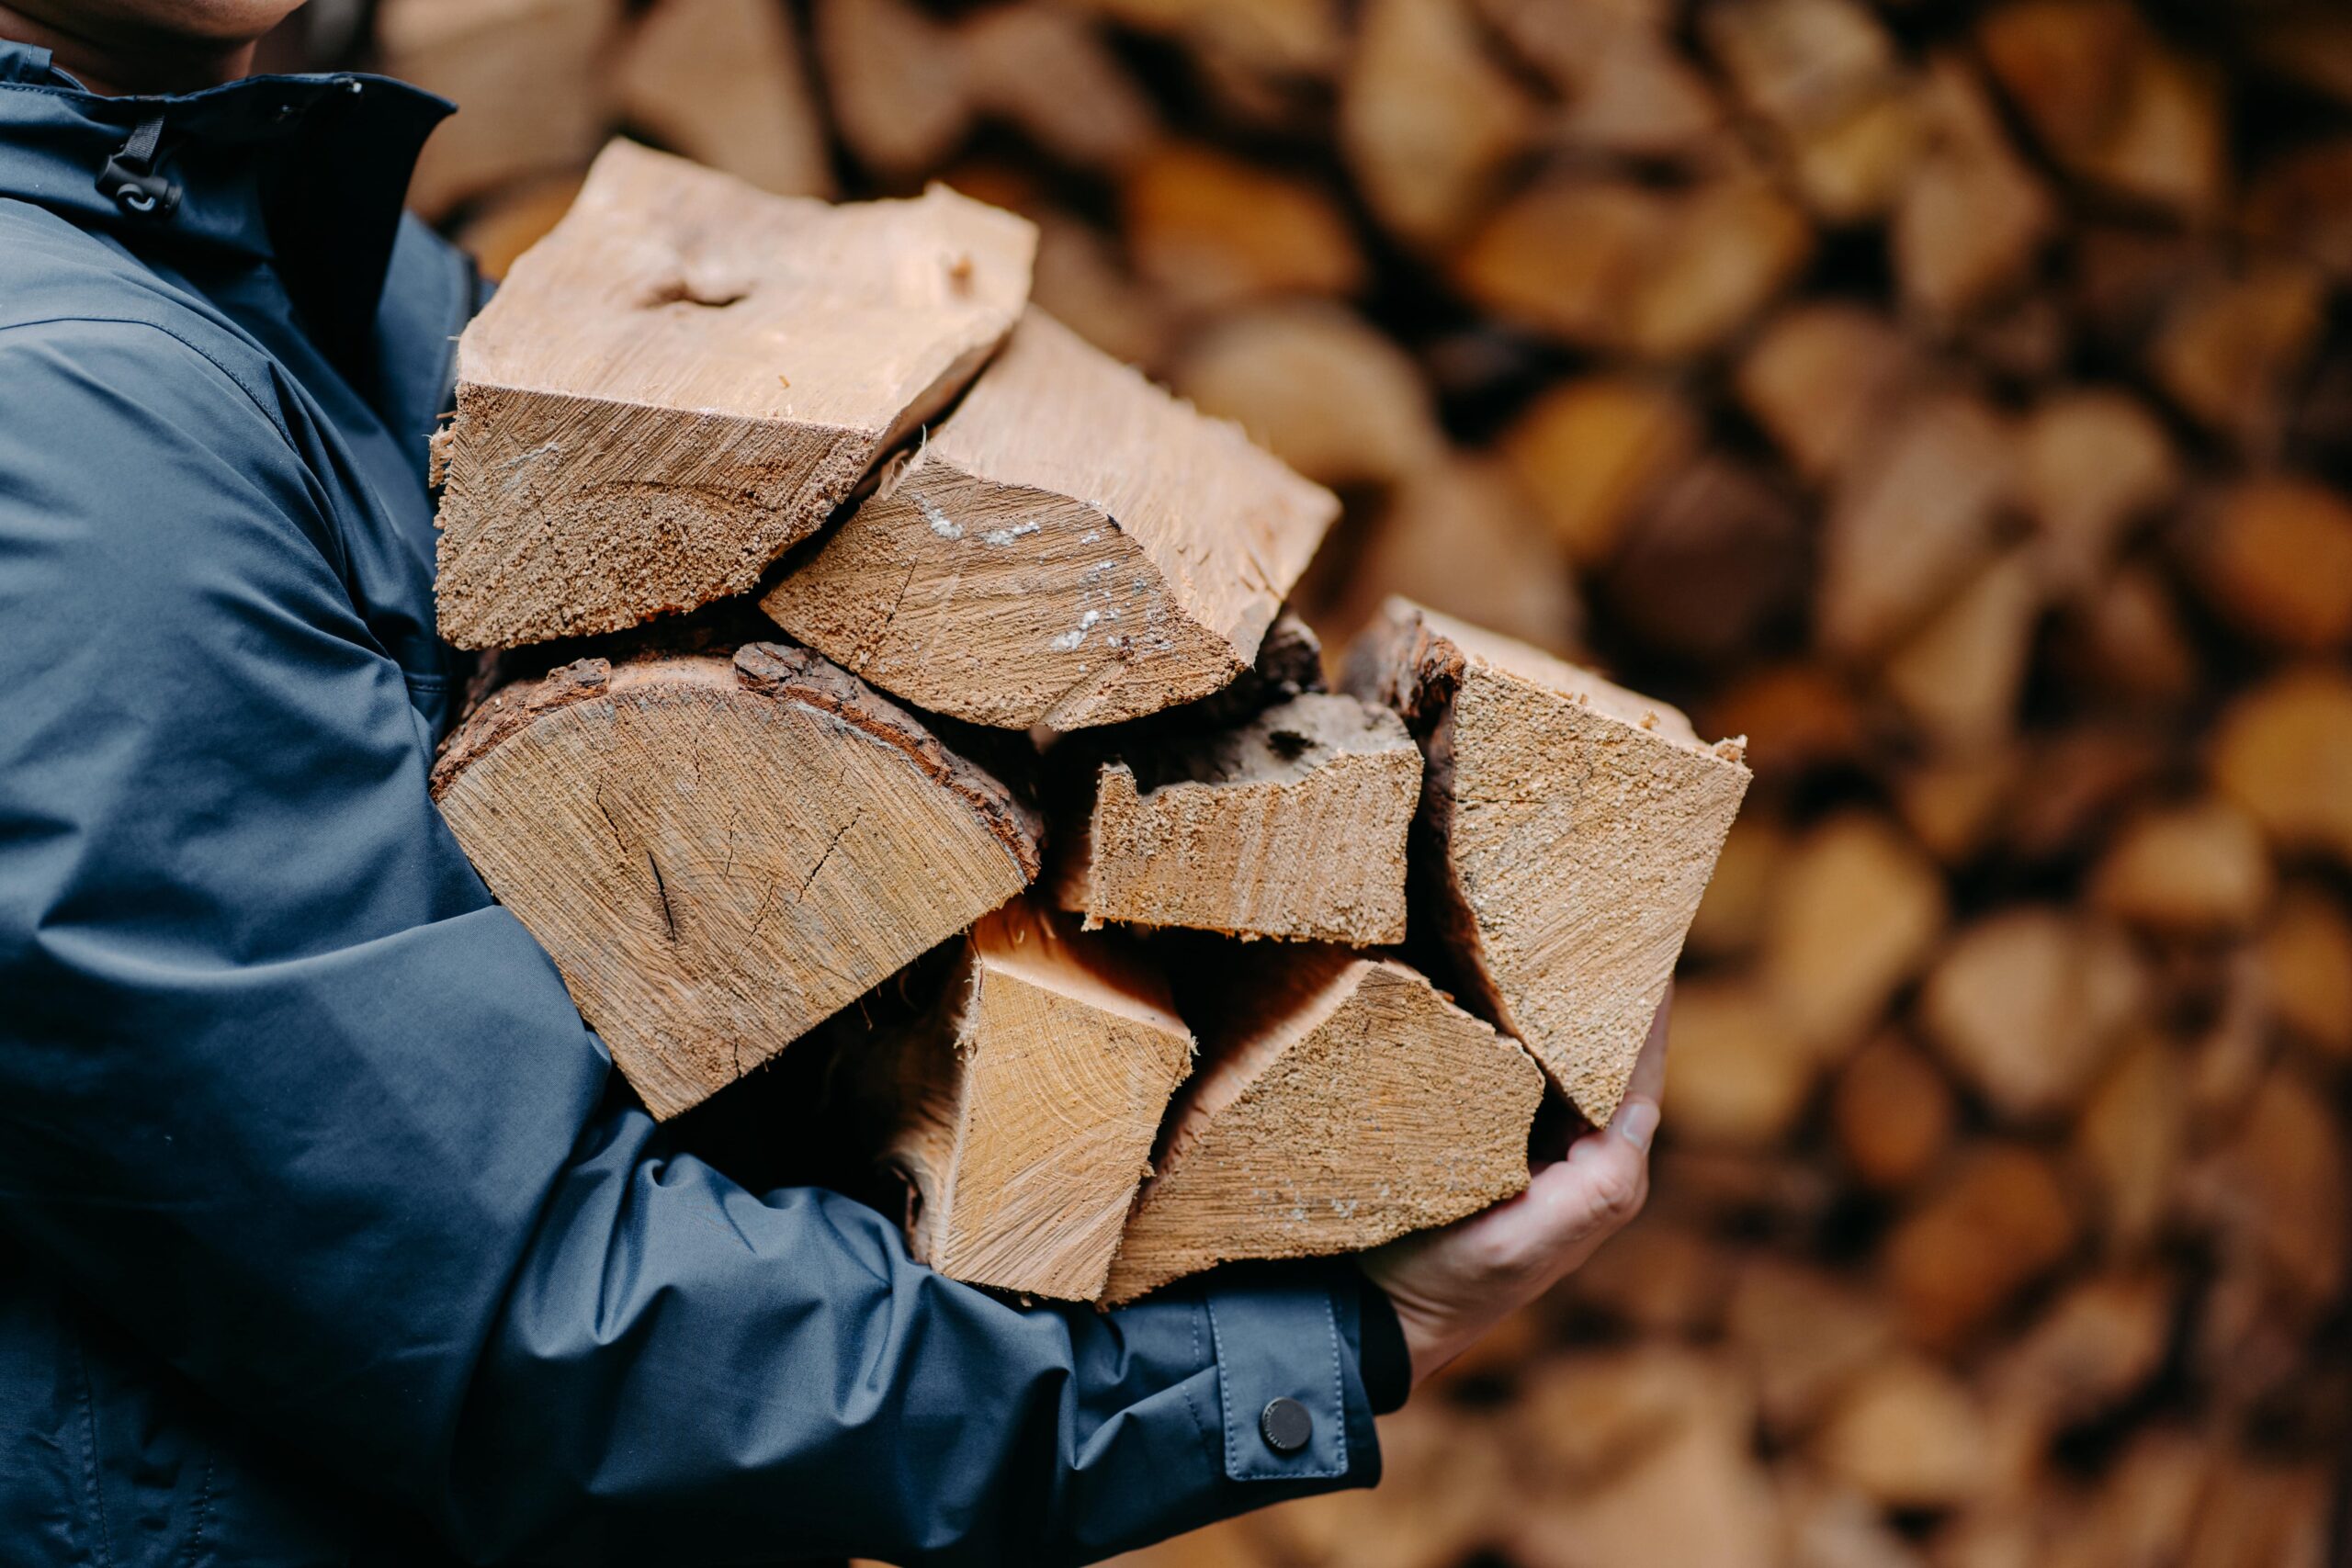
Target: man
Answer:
pixel 326 1233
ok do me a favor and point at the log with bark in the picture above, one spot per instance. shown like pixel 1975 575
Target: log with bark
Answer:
pixel 720 852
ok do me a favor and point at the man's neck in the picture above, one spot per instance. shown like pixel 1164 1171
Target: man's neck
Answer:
pixel 115 64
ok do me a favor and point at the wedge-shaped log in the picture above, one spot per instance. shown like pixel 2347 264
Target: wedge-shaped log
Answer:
pixel 686 376
pixel 1072 547
pixel 1024 1107
pixel 1292 824
pixel 1341 1102
pixel 1568 827
pixel 719 852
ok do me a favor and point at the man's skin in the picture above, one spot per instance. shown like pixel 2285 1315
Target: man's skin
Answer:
pixel 1450 1286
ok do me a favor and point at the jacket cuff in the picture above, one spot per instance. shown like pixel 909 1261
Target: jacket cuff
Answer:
pixel 1289 1347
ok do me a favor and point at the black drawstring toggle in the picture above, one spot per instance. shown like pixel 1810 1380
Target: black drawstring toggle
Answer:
pixel 129 177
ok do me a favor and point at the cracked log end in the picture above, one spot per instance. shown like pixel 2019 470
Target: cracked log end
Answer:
pixel 1568 828
pixel 720 851
pixel 1341 1102
pixel 1023 1109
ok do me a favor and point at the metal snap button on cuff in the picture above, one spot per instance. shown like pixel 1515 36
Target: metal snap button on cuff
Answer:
pixel 1285 1426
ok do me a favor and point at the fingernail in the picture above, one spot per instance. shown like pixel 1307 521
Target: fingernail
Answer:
pixel 1638 1123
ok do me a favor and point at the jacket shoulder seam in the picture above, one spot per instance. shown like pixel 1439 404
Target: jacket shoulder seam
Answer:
pixel 261 404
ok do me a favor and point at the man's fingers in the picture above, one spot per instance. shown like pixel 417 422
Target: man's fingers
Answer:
pixel 1587 1195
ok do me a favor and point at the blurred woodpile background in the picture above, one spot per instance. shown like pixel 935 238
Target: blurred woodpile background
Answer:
pixel 1956 400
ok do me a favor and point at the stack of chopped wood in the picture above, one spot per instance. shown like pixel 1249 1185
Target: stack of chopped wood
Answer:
pixel 1954 397
pixel 733 476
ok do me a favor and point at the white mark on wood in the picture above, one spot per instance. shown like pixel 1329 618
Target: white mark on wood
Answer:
pixel 941 524
pixel 1006 536
pixel 1067 642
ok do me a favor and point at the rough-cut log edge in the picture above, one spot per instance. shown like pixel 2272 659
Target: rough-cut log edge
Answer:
pixel 770 669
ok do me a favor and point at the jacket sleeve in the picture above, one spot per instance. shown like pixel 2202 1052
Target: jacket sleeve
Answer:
pixel 285 1094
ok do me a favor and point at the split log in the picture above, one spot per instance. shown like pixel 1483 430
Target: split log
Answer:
pixel 723 81
pixel 1050 75
pixel 718 853
pixel 1699 1496
pixel 1825 76
pixel 1713 560
pixel 1630 90
pixel 2198 869
pixel 1911 522
pixel 2306 963
pixel 1734 912
pixel 2276 1186
pixel 1571 828
pixel 1821 378
pixel 528 73
pixel 1807 1333
pixel 2028 1003
pixel 1427 120
pixel 2090 464
pixel 1971 218
pixel 1952 803
pixel 1082 282
pixel 1209 231
pixel 1803 718
pixel 2095 1346
pixel 2230 348
pixel 1024 1105
pixel 2274 555
pixel 1613 265
pixel 2284 752
pixel 1663 1277
pixel 1316 385
pixel 1293 824
pixel 2074 780
pixel 1857 912
pixel 2130 642
pixel 2003 1222
pixel 2113 103
pixel 2301 201
pixel 1893 1113
pixel 684 379
pixel 1959 675
pixel 1072 547
pixel 1463 536
pixel 894 83
pixel 1736 1073
pixel 2130 1136
pixel 1909 1435
pixel 1342 1101
pixel 1592 450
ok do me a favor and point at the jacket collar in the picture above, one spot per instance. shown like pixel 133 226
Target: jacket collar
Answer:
pixel 305 172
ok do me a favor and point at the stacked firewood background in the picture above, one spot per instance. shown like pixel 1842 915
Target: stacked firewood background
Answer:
pixel 1955 399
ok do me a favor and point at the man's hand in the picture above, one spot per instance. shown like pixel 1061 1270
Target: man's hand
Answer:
pixel 1450 1286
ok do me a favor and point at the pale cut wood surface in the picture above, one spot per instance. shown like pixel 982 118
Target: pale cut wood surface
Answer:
pixel 686 376
pixel 1072 547
pixel 718 852
pixel 1027 1103
pixel 528 73
pixel 723 81
pixel 1341 1102
pixel 1570 827
pixel 1291 825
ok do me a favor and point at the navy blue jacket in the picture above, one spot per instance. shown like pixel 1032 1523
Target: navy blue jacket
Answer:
pixel 326 1233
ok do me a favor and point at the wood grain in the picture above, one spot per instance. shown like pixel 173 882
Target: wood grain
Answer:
pixel 686 376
